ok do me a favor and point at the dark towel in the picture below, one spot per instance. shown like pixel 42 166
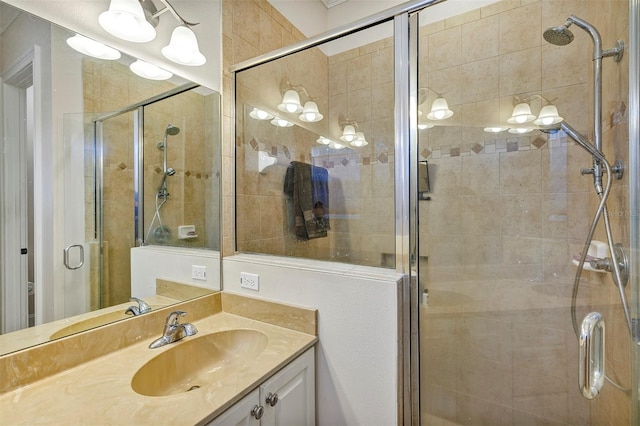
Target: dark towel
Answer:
pixel 308 187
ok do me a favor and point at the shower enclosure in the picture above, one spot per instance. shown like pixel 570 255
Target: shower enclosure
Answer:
pixel 141 181
pixel 498 153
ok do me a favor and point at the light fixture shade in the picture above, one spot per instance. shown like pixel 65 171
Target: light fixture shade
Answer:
pixel 521 114
pixel 520 130
pixel 281 122
pixel 495 129
pixel 259 114
pixel 310 113
pixel 360 140
pixel 335 145
pixel 183 48
pixel 348 134
pixel 149 71
pixel 323 141
pixel 439 110
pixel 93 48
pixel 548 116
pixel 125 19
pixel 291 102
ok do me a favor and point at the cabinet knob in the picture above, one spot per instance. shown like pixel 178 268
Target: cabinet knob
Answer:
pixel 257 411
pixel 272 399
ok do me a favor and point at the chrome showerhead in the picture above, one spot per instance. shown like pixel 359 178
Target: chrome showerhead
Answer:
pixel 560 36
pixel 170 171
pixel 172 130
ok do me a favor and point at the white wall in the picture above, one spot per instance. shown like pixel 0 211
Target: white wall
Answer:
pixel 171 263
pixel 357 355
pixel 82 17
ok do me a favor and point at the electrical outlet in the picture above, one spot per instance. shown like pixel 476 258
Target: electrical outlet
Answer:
pixel 250 281
pixel 199 272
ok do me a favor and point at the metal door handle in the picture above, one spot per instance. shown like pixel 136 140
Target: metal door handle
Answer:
pixel 67 249
pixel 591 376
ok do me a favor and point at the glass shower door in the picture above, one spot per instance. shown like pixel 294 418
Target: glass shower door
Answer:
pixel 508 212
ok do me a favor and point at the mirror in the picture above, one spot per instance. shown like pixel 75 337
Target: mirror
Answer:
pixel 109 181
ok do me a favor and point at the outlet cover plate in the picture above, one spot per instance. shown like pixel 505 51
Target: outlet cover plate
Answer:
pixel 250 281
pixel 199 272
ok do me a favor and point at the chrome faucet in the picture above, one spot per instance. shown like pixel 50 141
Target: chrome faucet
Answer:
pixel 142 307
pixel 173 330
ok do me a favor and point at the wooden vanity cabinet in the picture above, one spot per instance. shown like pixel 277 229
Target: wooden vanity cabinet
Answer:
pixel 286 398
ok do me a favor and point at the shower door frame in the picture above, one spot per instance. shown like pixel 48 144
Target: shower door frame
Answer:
pixel 405 17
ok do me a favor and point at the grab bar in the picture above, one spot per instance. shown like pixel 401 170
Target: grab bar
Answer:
pixel 592 375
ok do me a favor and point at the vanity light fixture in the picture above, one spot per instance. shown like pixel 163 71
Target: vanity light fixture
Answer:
pixel 126 20
pixel 135 21
pixel 360 141
pixel 335 145
pixel 521 114
pixel 520 130
pixel 348 133
pixel 310 113
pixel 183 48
pixel 149 71
pixel 548 116
pixel 323 141
pixel 290 102
pixel 439 110
pixel 93 48
pixel 281 122
pixel 496 129
pixel 259 114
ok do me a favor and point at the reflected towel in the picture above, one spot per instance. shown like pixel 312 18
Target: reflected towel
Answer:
pixel 308 188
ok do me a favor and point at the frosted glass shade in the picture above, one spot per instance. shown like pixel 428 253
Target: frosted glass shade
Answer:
pixel 149 71
pixel 521 114
pixel 348 134
pixel 310 113
pixel 548 116
pixel 360 140
pixel 183 48
pixel 93 48
pixel 439 110
pixel 259 114
pixel 291 102
pixel 125 19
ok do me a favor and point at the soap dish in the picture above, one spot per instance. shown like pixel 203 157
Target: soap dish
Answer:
pixel 186 232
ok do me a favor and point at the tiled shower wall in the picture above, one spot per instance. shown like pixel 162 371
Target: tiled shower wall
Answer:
pixel 104 91
pixel 507 214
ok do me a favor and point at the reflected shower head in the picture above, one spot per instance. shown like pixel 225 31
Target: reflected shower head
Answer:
pixel 560 36
pixel 172 130
pixel 170 171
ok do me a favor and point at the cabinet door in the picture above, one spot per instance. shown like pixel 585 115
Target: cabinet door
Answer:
pixel 294 386
pixel 240 414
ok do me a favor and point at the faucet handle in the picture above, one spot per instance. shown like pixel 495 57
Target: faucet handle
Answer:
pixel 174 317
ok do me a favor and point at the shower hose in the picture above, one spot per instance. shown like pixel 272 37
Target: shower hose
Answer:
pixel 601 211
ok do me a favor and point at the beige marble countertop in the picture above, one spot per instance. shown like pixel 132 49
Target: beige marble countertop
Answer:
pixel 99 391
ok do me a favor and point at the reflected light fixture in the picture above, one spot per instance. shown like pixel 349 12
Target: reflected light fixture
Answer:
pixel 281 122
pixel 348 134
pixel 548 116
pixel 323 141
pixel 310 113
pixel 259 114
pixel 125 19
pixel 360 140
pixel 439 110
pixel 521 114
pixel 149 71
pixel 495 129
pixel 291 102
pixel 183 48
pixel 93 48
pixel 520 130
pixel 335 145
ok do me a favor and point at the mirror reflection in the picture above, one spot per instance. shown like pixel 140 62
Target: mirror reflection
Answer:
pixel 100 166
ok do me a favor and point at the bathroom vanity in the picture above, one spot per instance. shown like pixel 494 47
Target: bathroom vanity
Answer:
pixel 250 359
